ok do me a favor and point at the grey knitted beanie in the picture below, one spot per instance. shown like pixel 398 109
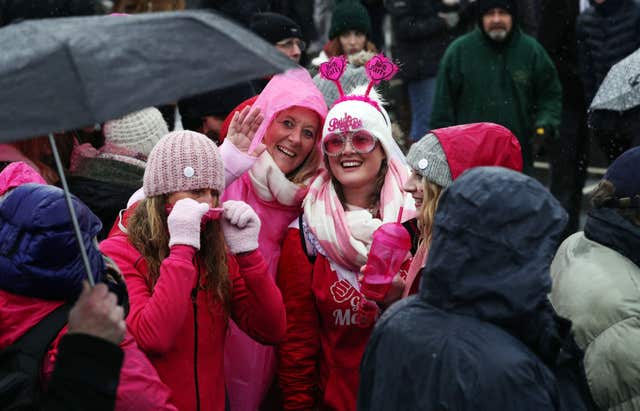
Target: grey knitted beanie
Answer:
pixel 353 77
pixel 428 159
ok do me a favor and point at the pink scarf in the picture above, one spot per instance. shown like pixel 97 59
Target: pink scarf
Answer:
pixel 345 236
pixel 270 183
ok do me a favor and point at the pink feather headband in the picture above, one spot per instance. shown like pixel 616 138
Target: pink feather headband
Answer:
pixel 378 68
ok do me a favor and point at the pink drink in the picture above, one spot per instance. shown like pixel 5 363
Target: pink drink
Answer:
pixel 391 243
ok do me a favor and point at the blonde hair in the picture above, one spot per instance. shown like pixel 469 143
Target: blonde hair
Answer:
pixel 149 234
pixel 311 164
pixel 427 213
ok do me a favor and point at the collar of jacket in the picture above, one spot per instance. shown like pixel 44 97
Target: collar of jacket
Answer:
pixel 605 226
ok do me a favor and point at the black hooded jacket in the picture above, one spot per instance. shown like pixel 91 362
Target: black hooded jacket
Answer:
pixel 606 33
pixel 481 334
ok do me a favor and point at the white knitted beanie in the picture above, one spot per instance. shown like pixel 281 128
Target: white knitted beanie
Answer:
pixel 183 160
pixel 138 131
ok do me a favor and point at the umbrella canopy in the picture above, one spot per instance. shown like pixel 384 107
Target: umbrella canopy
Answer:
pixel 620 90
pixel 61 74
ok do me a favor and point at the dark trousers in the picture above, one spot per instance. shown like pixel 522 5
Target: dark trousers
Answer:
pixel 569 160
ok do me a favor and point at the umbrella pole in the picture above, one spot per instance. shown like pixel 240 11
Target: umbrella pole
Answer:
pixel 72 211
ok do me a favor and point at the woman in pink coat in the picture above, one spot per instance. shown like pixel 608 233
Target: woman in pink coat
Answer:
pixel 294 111
pixel 191 265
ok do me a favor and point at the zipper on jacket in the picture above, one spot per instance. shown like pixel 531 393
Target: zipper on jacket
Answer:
pixel 194 296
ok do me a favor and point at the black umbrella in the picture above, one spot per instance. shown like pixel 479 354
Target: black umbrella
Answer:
pixel 62 74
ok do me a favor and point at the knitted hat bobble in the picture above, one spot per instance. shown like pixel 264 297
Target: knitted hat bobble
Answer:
pixel 428 159
pixel 349 15
pixel 138 131
pixel 181 161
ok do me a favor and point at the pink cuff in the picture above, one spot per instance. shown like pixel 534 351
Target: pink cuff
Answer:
pixel 236 163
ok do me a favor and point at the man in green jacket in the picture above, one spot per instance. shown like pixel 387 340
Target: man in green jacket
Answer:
pixel 497 73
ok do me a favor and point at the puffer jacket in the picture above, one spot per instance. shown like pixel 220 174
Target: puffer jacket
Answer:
pixel 40 269
pixel 596 284
pixel 606 33
pixel 39 255
pixel 481 334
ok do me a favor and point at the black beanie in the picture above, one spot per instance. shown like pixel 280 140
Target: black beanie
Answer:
pixel 274 27
pixel 218 103
pixel 349 15
pixel 483 6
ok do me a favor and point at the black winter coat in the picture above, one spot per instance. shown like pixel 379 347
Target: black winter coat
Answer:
pixel 420 36
pixel 558 36
pixel 606 34
pixel 481 334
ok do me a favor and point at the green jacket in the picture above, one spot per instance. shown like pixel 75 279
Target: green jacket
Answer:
pixel 514 84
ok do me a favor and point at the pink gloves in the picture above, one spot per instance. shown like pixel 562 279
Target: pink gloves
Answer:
pixel 184 222
pixel 241 226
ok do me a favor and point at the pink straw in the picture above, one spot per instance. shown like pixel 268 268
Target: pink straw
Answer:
pixel 400 214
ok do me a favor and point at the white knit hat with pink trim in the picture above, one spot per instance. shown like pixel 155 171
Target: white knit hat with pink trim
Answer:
pixel 181 161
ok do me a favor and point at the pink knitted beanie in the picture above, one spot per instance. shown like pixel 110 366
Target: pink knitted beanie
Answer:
pixel 181 161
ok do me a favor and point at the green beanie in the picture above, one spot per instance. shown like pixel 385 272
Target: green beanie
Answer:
pixel 349 15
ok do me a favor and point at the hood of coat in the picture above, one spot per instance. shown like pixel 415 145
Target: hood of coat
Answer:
pixel 39 255
pixel 496 232
pixel 479 144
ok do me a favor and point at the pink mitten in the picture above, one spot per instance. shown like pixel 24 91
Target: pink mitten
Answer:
pixel 241 226
pixel 184 222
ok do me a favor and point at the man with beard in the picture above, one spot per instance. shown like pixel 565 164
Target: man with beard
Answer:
pixel 498 74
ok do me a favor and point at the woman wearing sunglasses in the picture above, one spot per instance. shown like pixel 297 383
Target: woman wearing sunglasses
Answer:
pixel 294 111
pixel 324 250
pixel 190 264
pixel 441 157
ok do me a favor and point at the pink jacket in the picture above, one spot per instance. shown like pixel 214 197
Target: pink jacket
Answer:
pixel 248 384
pixel 140 387
pixel 249 366
pixel 182 329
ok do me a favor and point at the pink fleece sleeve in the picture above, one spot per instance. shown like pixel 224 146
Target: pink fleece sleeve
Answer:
pixel 256 304
pixel 155 319
pixel 236 163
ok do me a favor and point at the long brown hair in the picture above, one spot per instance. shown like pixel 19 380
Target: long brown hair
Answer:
pixel 148 232
pixel 426 216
